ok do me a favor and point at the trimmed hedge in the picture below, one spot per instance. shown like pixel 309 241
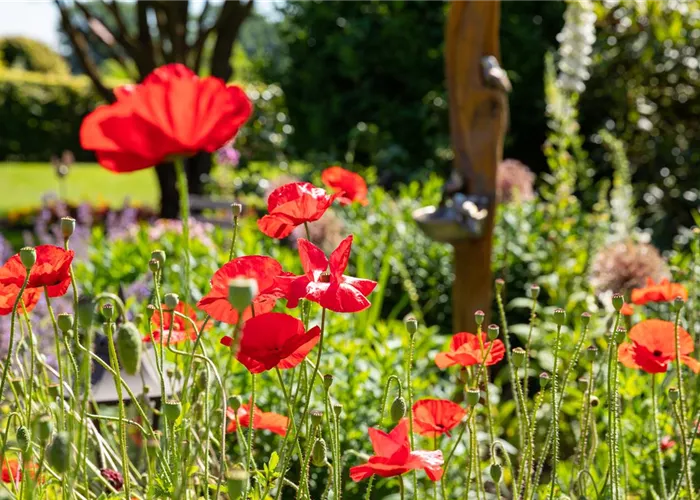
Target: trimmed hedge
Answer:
pixel 31 55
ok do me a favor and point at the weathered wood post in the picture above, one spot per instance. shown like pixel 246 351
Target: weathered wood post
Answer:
pixel 477 88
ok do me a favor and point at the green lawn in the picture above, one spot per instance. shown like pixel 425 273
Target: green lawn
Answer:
pixel 23 184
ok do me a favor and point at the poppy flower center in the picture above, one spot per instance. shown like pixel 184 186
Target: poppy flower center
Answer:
pixel 657 353
pixel 325 277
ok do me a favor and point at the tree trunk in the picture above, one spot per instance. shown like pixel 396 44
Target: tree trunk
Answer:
pixel 169 197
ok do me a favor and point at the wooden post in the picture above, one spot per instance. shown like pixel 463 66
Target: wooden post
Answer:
pixel 478 118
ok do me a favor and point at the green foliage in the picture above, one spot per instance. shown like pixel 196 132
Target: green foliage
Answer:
pixel 30 55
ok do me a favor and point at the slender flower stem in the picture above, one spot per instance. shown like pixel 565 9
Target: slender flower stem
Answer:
pixel 682 408
pixel 58 359
pixel 657 437
pixel 251 420
pixel 233 239
pixel 452 452
pixel 613 413
pixel 528 345
pixel 582 461
pixel 409 390
pixel 184 193
pixel 122 413
pixel 529 461
pixel 402 491
pixel 556 404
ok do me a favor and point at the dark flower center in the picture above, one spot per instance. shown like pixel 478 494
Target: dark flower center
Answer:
pixel 657 353
pixel 325 277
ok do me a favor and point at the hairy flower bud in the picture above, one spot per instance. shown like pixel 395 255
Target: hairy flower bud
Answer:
pixel 171 300
pixel 241 292
pixel 67 227
pixel 43 427
pixel 473 396
pixel 28 257
pixel 235 402
pixel 398 409
pixel 318 453
pixel 158 255
pixel 236 480
pixel 24 438
pixel 172 410
pixel 153 265
pixel 129 347
pixel 411 325
pixel 65 322
pixel 496 473
pixel 58 453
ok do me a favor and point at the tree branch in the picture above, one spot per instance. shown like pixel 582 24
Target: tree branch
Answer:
pixel 149 61
pixel 232 15
pixel 82 51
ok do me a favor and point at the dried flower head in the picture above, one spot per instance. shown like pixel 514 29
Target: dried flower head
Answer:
pixel 514 182
pixel 625 265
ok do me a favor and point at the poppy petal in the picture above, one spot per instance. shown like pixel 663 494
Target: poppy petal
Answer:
pixel 313 260
pixel 343 298
pixel 340 257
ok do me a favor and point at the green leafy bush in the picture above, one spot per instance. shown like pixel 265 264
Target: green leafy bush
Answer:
pixel 31 55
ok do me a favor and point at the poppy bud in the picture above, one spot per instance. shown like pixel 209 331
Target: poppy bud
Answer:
pixel 411 325
pixel 108 311
pixel 678 303
pixel 316 417
pixel 518 356
pixel 594 401
pixel 24 438
pixel 473 396
pixel 673 394
pixel 327 381
pixel 114 478
pixel 146 389
pixel 86 311
pixel 172 410
pixel 398 409
pixel 235 402
pixel 337 409
pixel 591 352
pixel 129 347
pixel 534 291
pixel 158 255
pixel 28 257
pixel 43 427
pixel 153 265
pixel 585 319
pixel 493 332
pixel 58 453
pixel 67 227
pixel 618 301
pixel 318 453
pixel 241 292
pixel 237 209
pixel 479 317
pixel 559 317
pixel 499 285
pixel 171 300
pixel 150 311
pixel 544 380
pixel 236 479
pixel 620 335
pixel 496 473
pixel 65 322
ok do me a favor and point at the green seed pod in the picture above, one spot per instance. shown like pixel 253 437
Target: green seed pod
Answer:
pixel 585 319
pixel 544 380
pixel 236 209
pixel 337 409
pixel 28 257
pixel 316 417
pixel 171 300
pixel 65 322
pixel 618 301
pixel 58 453
pixel 67 226
pixel 43 427
pixel 559 316
pixel 473 396
pixel 172 410
pixel 591 352
pixel 493 331
pixel 241 292
pixel 499 285
pixel 519 355
pixel 673 394
pixel 479 317
pixel 318 453
pixel 678 303
pixel 411 325
pixel 108 311
pixel 236 480
pixel 235 402
pixel 398 409
pixel 534 291
pixel 129 347
pixel 150 311
pixel 158 256
pixel 327 381
pixel 153 265
pixel 496 473
pixel 620 335
pixel 24 438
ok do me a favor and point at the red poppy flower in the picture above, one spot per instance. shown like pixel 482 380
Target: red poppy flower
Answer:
pixel 323 281
pixel 11 471
pixel 351 186
pixel 264 270
pixel 393 456
pixel 275 340
pixel 172 113
pixel 435 417
pixel 653 347
pixel 292 205
pixel 466 350
pixel 627 309
pixel 182 329
pixel 269 421
pixel 8 296
pixel 664 291
pixel 667 443
pixel 51 270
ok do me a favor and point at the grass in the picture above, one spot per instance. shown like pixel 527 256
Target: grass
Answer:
pixel 22 185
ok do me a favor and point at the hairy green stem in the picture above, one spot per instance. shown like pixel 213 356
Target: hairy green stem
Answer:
pixel 682 409
pixel 409 390
pixel 657 439
pixel 556 404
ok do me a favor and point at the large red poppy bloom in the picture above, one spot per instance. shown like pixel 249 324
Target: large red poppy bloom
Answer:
pixel 8 296
pixel 182 329
pixel 51 270
pixel 435 417
pixel 262 420
pixel 653 347
pixel 172 113
pixel 466 350
pixel 275 340
pixel 11 471
pixel 664 291
pixel 323 281
pixel 393 456
pixel 264 270
pixel 351 186
pixel 291 205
